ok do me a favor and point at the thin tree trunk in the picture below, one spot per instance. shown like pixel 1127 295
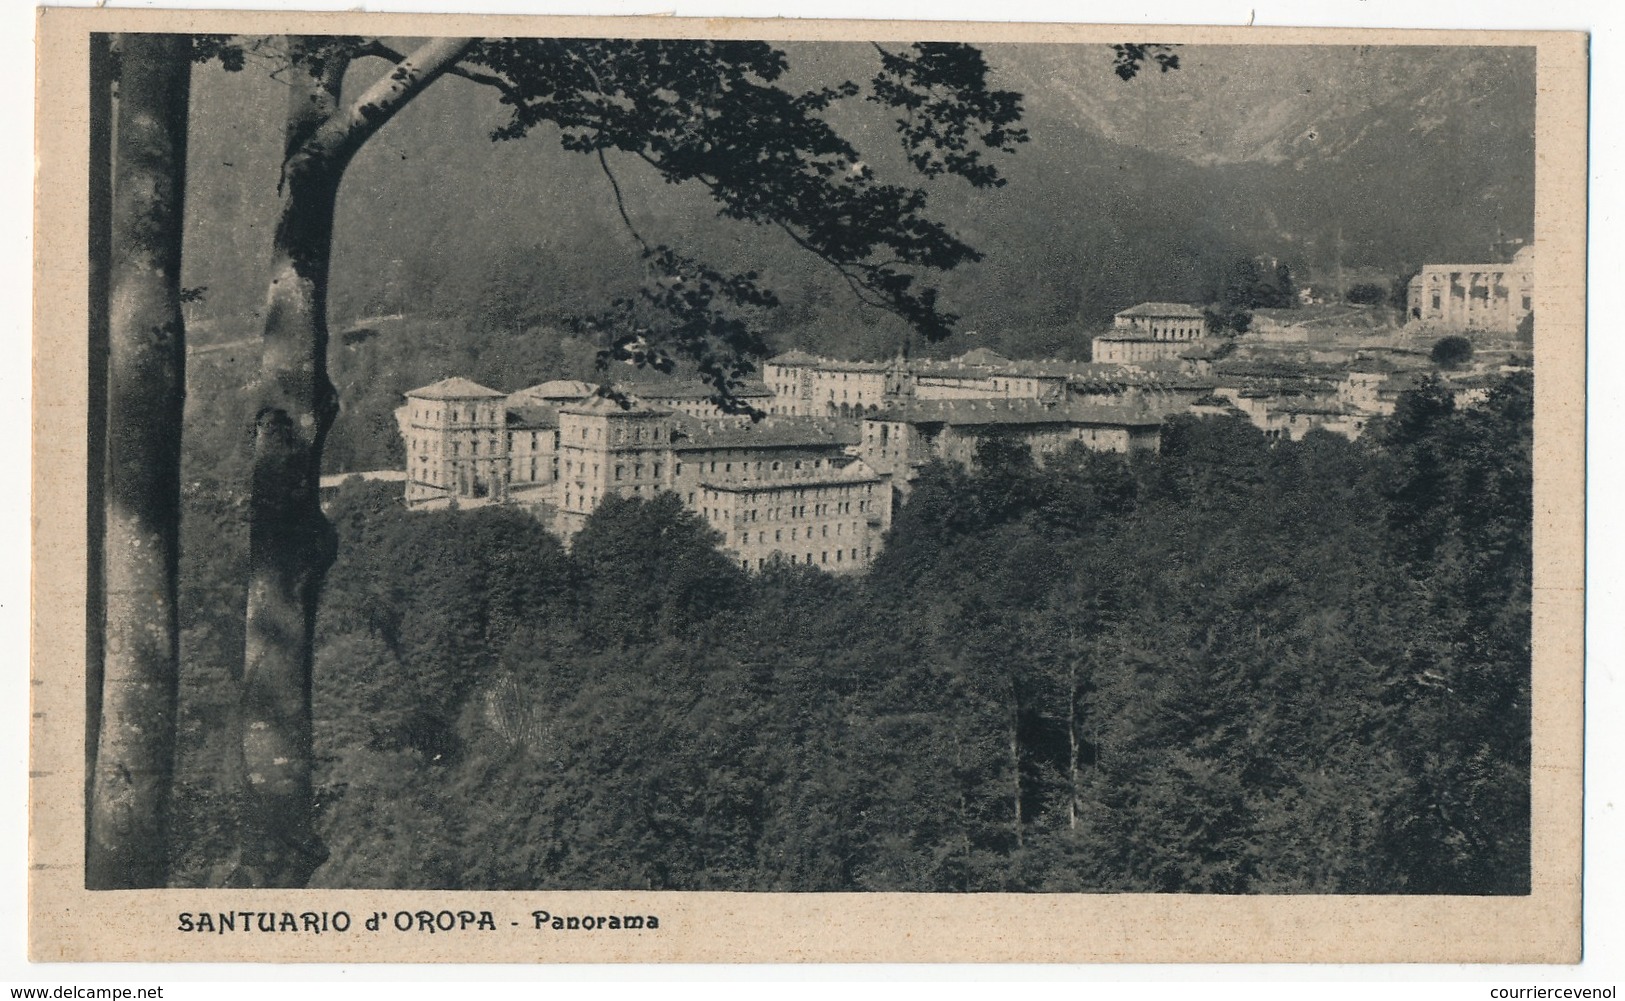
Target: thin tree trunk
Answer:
pixel 135 755
pixel 291 544
pixel 1072 740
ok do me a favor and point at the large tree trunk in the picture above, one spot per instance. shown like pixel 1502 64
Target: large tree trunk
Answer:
pixel 146 367
pixel 291 544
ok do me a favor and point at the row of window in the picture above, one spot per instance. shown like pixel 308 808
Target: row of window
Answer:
pixel 797 560
pixel 435 445
pixel 596 433
pixel 473 415
pixel 637 470
pixel 516 440
pixel 797 534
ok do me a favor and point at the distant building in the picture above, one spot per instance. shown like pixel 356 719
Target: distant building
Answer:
pixel 1111 349
pixel 1162 321
pixel 1150 331
pixel 902 439
pixel 533 444
pixel 782 488
pixel 805 385
pixel 554 393
pixel 693 397
pixel 456 441
pixel 1474 297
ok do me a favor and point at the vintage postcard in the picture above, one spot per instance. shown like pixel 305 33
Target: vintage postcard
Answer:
pixel 638 490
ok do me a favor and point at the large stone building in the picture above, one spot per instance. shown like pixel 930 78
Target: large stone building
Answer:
pixel 1150 331
pixel 1162 321
pixel 456 441
pixel 902 439
pixel 693 397
pixel 805 385
pixel 805 489
pixel 1474 297
pixel 786 487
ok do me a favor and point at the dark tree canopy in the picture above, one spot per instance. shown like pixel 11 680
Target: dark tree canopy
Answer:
pixel 1367 294
pixel 1234 666
pixel 717 114
pixel 1452 352
pixel 1246 285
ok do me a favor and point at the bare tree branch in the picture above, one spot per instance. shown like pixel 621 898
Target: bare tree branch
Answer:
pixel 379 103
pixel 620 205
pixel 374 47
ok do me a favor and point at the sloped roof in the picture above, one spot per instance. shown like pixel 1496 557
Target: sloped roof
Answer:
pixel 1133 338
pixel 992 366
pixel 455 388
pixel 771 432
pixel 605 405
pixel 1173 309
pixel 690 389
pixel 532 415
pixel 972 413
pixel 856 471
pixel 982 356
pixel 804 360
pixel 559 389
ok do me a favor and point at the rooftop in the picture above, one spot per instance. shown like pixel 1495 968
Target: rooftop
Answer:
pixel 532 415
pixel 559 389
pixel 804 360
pixel 1164 309
pixel 982 356
pixel 972 413
pixel 689 389
pixel 856 471
pixel 770 432
pixel 455 388
pixel 606 405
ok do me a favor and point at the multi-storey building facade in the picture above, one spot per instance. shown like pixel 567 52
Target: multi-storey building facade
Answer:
pixel 1150 331
pixel 1474 297
pixel 833 519
pixel 802 384
pixel 694 398
pixel 806 386
pixel 782 488
pixel 605 449
pixel 901 440
pixel 1162 321
pixel 533 445
pixel 456 441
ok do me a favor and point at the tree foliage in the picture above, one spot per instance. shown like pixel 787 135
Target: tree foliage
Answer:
pixel 715 113
pixel 1235 666
pixel 1367 294
pixel 1454 351
pixel 718 114
pixel 1246 285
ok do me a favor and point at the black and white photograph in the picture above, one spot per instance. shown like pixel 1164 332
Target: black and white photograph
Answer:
pixel 899 467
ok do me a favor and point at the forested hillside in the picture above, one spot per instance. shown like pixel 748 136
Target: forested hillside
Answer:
pixel 1379 157
pixel 1234 666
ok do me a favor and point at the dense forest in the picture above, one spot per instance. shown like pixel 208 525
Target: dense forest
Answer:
pixel 1231 666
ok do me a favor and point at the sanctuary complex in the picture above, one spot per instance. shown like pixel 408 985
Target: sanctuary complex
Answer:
pixel 812 481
